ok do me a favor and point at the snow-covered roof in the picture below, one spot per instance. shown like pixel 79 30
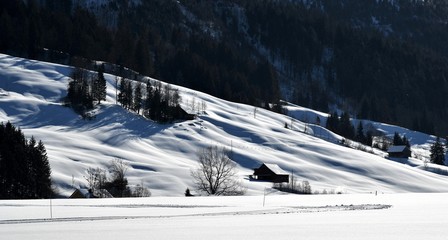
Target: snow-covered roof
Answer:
pixel 84 192
pixel 397 149
pixel 101 193
pixel 275 168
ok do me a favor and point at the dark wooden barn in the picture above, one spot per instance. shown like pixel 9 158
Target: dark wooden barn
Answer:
pixel 271 173
pixel 80 193
pixel 401 151
pixel 87 193
pixel 180 113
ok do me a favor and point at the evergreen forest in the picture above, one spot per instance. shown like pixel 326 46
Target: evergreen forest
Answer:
pixel 377 60
pixel 24 168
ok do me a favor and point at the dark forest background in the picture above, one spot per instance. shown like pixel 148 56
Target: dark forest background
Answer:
pixel 378 60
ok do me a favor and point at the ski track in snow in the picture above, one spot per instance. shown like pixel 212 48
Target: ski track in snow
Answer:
pixel 281 210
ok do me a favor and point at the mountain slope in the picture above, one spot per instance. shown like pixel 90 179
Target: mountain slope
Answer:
pixel 371 58
pixel 161 156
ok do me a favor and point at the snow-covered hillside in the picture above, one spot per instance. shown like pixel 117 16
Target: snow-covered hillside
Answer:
pixel 161 156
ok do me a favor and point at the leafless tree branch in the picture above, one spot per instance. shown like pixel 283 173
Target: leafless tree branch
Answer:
pixel 216 173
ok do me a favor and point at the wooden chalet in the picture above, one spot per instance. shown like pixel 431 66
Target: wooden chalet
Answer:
pixel 87 193
pixel 80 193
pixel 180 113
pixel 271 173
pixel 401 151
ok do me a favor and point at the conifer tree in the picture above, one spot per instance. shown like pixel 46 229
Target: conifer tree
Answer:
pixel 79 92
pixel 346 128
pixel 138 98
pixel 437 153
pixel 122 92
pixel 125 95
pixel 43 179
pixel 397 139
pixel 24 168
pixel 156 105
pixel 406 141
pixel 369 138
pixel 148 100
pixel 99 86
pixel 32 168
pixel 360 133
pixel 129 94
pixel 333 122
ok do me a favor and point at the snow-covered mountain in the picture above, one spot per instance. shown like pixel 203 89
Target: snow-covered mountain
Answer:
pixel 161 156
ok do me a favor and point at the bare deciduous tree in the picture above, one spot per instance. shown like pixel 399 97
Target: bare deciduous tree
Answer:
pixel 306 187
pixel 96 178
pixel 216 173
pixel 114 181
pixel 118 185
pixel 203 106
pixel 141 191
pixel 193 104
pixel 118 169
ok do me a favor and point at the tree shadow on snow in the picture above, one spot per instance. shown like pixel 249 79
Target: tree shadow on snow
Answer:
pixel 115 124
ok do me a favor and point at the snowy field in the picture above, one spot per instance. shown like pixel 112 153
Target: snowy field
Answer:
pixel 349 216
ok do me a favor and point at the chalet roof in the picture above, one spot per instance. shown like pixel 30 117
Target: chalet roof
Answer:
pixel 80 193
pixel 397 149
pixel 103 193
pixel 275 168
pixel 84 191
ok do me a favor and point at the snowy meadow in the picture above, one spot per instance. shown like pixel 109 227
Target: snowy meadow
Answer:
pixel 347 216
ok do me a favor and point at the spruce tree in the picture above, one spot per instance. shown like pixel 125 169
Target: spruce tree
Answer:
pixel 360 137
pixel 369 138
pixel 138 98
pixel 32 170
pixel 43 179
pixel 397 139
pixel 79 92
pixel 99 86
pixel 122 92
pixel 333 122
pixel 437 153
pixel 346 128
pixel 406 141
pixel 148 100
pixel 24 168
pixel 156 107
pixel 129 94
